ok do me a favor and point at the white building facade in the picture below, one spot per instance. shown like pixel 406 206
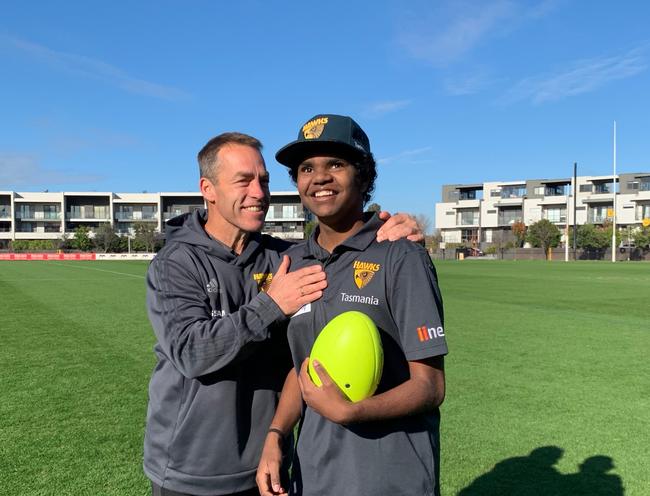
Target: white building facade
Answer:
pixel 28 215
pixel 477 214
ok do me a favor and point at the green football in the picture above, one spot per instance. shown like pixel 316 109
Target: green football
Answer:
pixel 349 348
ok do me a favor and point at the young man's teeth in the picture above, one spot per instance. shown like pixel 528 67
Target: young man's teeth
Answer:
pixel 323 193
pixel 253 209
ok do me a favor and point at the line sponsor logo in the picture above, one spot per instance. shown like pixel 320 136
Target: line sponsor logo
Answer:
pixel 426 333
pixel 366 300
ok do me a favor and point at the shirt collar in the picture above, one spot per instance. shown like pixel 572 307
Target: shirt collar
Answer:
pixel 359 241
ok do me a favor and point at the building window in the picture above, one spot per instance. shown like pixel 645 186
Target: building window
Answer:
pixel 50 212
pixel 513 191
pixel 101 212
pixel 539 190
pixel 148 212
pixel 508 216
pixel 470 194
pixel 643 211
pixel 599 213
pixel 495 193
pixel 601 188
pixel 467 217
pixel 585 188
pixel 644 185
pixel 25 212
pixel 469 236
pixel 555 214
pixel 555 190
pixel 633 185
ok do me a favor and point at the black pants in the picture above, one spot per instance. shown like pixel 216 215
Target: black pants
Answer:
pixel 156 490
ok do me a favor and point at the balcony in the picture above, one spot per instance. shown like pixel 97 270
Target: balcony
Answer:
pixel 38 216
pixel 135 217
pixel 80 216
pixel 555 191
pixel 597 218
pixel 510 192
pixel 602 189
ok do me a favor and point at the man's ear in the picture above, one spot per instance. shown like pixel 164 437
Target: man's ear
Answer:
pixel 206 186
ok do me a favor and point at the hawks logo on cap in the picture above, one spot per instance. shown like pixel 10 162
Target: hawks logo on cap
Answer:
pixel 263 280
pixel 364 272
pixel 314 128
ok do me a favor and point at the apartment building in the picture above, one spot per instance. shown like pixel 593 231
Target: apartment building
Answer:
pixel 483 213
pixel 47 215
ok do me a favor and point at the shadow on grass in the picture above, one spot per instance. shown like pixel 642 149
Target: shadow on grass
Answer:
pixel 535 475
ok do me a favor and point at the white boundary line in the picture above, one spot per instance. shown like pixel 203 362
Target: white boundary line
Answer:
pixel 94 268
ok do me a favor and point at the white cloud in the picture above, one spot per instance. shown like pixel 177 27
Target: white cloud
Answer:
pixel 464 25
pixel 406 157
pixel 468 85
pixel 580 77
pixel 25 171
pixel 378 109
pixel 97 69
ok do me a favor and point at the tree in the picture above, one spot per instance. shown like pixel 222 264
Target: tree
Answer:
pixel 424 223
pixel 519 232
pixel 81 239
pixel 63 242
pixel 105 237
pixel 432 242
pixel 309 227
pixel 642 238
pixel 502 240
pixel 543 234
pixel 374 207
pixel 592 238
pixel 120 244
pixel 145 236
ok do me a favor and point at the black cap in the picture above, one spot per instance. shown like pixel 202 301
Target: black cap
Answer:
pixel 326 134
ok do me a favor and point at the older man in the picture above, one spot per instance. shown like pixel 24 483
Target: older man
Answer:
pixel 214 303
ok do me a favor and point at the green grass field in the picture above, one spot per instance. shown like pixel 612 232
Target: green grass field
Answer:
pixel 541 355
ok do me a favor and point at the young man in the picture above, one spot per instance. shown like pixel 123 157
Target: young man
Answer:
pixel 388 443
pixel 213 304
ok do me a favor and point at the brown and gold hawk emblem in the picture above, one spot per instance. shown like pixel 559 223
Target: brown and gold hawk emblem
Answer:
pixel 364 272
pixel 263 280
pixel 314 128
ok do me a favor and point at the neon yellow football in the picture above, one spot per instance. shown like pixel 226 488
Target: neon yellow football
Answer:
pixel 349 348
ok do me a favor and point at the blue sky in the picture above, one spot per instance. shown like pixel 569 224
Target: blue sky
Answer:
pixel 120 96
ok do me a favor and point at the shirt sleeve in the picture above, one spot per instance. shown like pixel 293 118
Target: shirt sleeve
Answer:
pixel 416 305
pixel 191 339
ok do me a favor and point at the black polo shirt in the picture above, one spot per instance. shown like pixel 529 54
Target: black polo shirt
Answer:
pixel 395 284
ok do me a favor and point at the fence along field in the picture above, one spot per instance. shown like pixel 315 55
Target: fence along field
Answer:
pixel 547 375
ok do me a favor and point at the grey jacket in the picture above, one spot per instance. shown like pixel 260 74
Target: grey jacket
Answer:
pixel 220 364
